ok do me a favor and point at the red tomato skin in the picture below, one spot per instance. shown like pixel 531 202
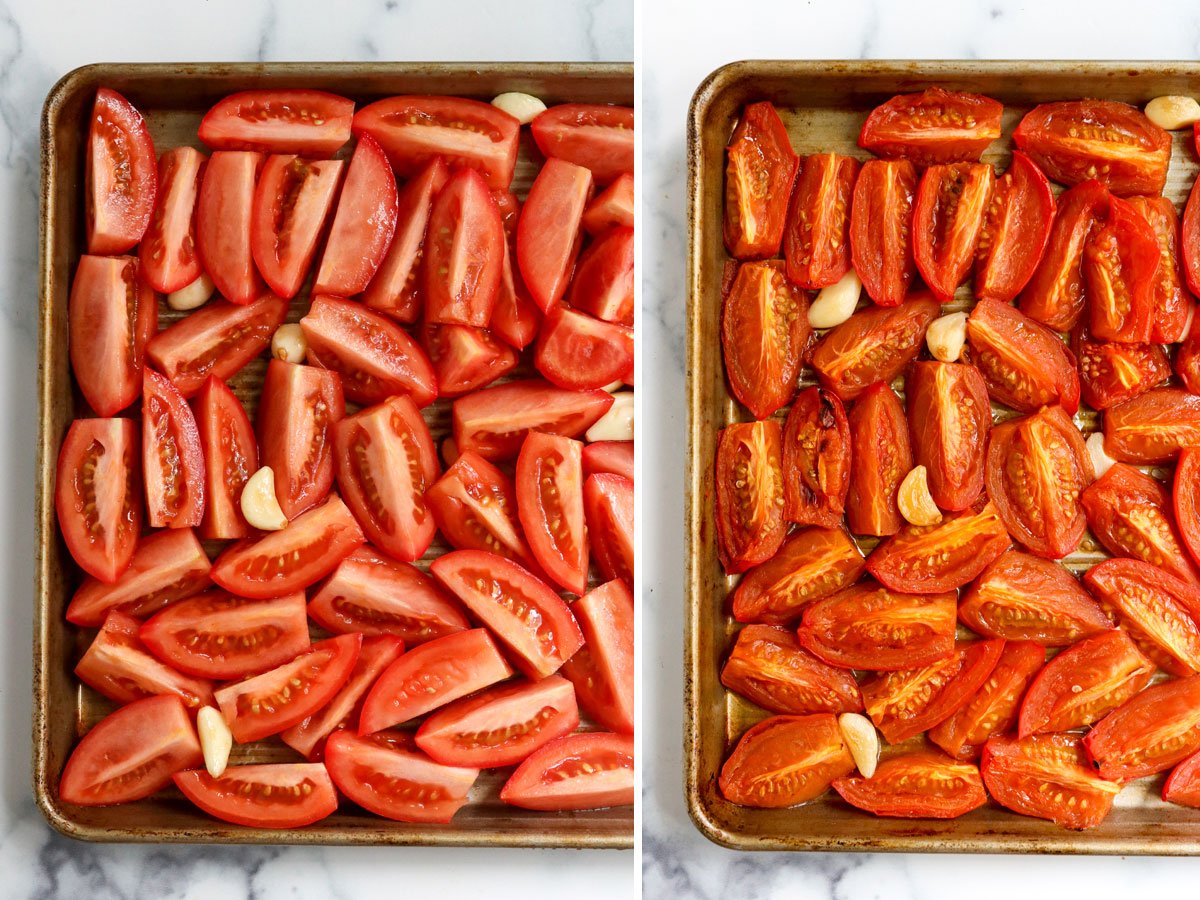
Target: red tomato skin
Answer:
pixel 312 123
pixel 212 795
pixel 224 223
pixel 932 127
pixel 1157 728
pixel 784 761
pixel 1120 269
pixel 172 460
pixel 1187 359
pixel 549 480
pixel 614 457
pixel 120 202
pixel 956 787
pixel 760 169
pixel 602 669
pixel 168 250
pixel 611 208
pixel 1016 230
pixel 769 668
pixel 530 786
pixel 582 353
pixel 1190 241
pixel 549 230
pixel 813 563
pixel 602 285
pixel 816 239
pixel 230 458
pixel 1185 492
pixel 949 417
pixel 948 217
pixel 592 135
pixel 816 459
pixel 1152 427
pixel 1110 373
pixel 881 221
pixel 608 507
pixel 1173 303
pixel 1183 784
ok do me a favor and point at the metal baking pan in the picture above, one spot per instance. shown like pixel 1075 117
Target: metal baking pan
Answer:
pixel 173 98
pixel 823 104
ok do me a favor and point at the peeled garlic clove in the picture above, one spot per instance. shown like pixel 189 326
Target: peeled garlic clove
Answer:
pixel 259 504
pixel 861 738
pixel 522 107
pixel 946 336
pixel 193 295
pixel 289 344
pixel 1101 461
pixel 617 423
pixel 613 386
pixel 836 303
pixel 1173 112
pixel 915 501
pixel 216 740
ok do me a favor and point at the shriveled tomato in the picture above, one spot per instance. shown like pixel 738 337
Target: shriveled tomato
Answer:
pixel 769 667
pixel 121 175
pixel 813 563
pixel 1024 364
pixel 608 508
pixel 611 208
pixel 873 345
pixel 881 455
pixel 881 222
pixel 786 760
pixel 1185 495
pixel 759 173
pixel 550 507
pixel 615 457
pixel 315 123
pixel 934 126
pixel 816 239
pixel 97 495
pixel 1120 270
pixel 920 785
pixel 131 753
pixel 949 417
pixel 230 458
pixel 168 249
pixel 816 459
pixel 1183 784
pixel 1016 229
pixel 225 223
pixel 1110 372
pixel 948 218
pixel 602 669
pixel 1150 733
pixel 1173 302
pixel 866 626
pixel 465 358
pixel 1037 468
pixel 602 285
pixel 1075 140
pixel 494 422
pixel 172 461
pixel 275 795
pixel 1153 426
pixel 580 771
pixel 1022 597
pixel 1190 240
pixel 588 134
pixel 1187 359
pixel 1047 776
pixel 580 352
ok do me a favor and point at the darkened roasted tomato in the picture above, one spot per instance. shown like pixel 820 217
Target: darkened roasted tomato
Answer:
pixel 172 462
pixel 992 709
pixel 602 669
pixel 1026 598
pixel 786 760
pixel 494 421
pixel 121 177
pixel 934 126
pixel 271 795
pixel 816 459
pixel 1183 784
pixel 881 220
pixel 1055 294
pixel 1130 514
pixel 168 249
pixel 949 417
pixel 1037 468
pixel 764 332
pixel 1016 229
pixel 769 667
pixel 595 135
pixel 816 241
pixel 603 283
pixel 881 455
pixel 549 481
pixel 1150 733
pixel 1172 302
pixel 274 121
pixel 230 458
pixel 1113 142
pixel 1047 776
pixel 812 563
pixel 1159 611
pixel 869 627
pixel 1120 271
pixel 611 208
pixel 1025 365
pixel 759 174
pixel 1083 683
pixel 1153 427
pixel 921 785
pixel 1185 495
pixel 873 345
pixel 947 220
pixel 1110 372
pixel 749 495
pixel 941 557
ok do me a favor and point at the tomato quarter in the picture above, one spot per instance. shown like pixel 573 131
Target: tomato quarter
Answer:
pixel 225 223
pixel 279 795
pixel 465 358
pixel 1153 426
pixel 121 176
pixel 550 507
pixel 934 126
pixel 921 785
pixel 881 224
pixel 786 760
pixel 949 417
pixel 172 461
pixel 292 121
pixel 1110 372
pixel 759 173
pixel 770 668
pixel 948 216
pixel 602 285
pixel 602 669
pixel 1016 229
pixel 588 134
pixel 579 352
pixel 230 458
pixel 608 508
pixel 881 455
pixel 168 249
pixel 1153 731
pixel 1120 270
pixel 549 232
pixel 816 239
pixel 1172 301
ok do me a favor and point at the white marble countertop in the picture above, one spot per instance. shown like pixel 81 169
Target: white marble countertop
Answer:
pixel 40 40
pixel 682 41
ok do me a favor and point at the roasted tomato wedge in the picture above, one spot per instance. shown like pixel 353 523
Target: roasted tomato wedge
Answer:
pixel 550 507
pixel 614 457
pixel 994 708
pixel 297 413
pixel 276 795
pixel 921 785
pixel 131 753
pixel 432 675
pixel 291 203
pixel 230 458
pixel 225 223
pixel 881 455
pixel 529 618
pixel 816 240
pixel 1185 495
pixel 1026 598
pixel 759 174
pixel 941 557
pixel 172 461
pixel 816 459
pixel 881 222
pixel 580 771
pixel 216 635
pixel 549 233
pixel 1075 140
pixel 292 559
pixel 1120 271
pixel 217 340
pixel 869 627
pixel 602 669
pixel 112 314
pixel 948 218
pixel 502 725
pixel 764 332
pixel 769 667
pixel 1130 514
pixel 1037 468
pixel 1183 784
pixel 168 250
pixel 1153 427
pixel 1055 294
pixel 464 254
pixel 1160 612
pixel 873 345
pixel 934 126
pixel 121 175
pixel 1150 733
pixel 1042 774
pixel 812 564
pixel 1016 229
pixel 386 461
pixel 949 417
pixel 1172 302
pixel 1085 682
pixel 292 121
pixel 1187 359
pixel 465 358
pixel 608 508
pixel 597 137
pixel 611 208
pixel 1110 372
pixel 97 495
pixel 1190 240
pixel 1025 365
pixel 786 760
pixel 602 285
pixel 580 352
pixel 166 566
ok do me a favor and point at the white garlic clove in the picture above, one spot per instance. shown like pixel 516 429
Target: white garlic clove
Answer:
pixel 1173 112
pixel 863 741
pixel 946 336
pixel 522 107
pixel 216 740
pixel 289 344
pixel 193 295
pixel 915 502
pixel 613 386
pixel 259 504
pixel 1101 461
pixel 617 423
pixel 836 303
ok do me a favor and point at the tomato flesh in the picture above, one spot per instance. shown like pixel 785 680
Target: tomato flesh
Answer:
pixel 278 795
pixel 1183 784
pixel 598 137
pixel 602 669
pixel 1111 372
pixel 464 358
pixel 611 208
pixel 816 459
pixel 816 239
pixel 948 216
pixel 1120 270
pixel 230 458
pixel 921 785
pixel 1185 492
pixel 881 455
pixel 614 457
pixel 769 667
pixel 608 508
pixel 172 461
pixel 1016 229
pixel 549 230
pixel 759 172
pixel 273 121
pixel 881 223
pixel 1172 302
pixel 949 417
pixel 812 564
pixel 579 352
pixel 168 249
pixel 550 507
pixel 121 176
pixel 1150 733
pixel 602 285
pixel 933 126
pixel 1153 427
pixel 785 761
pixel 225 223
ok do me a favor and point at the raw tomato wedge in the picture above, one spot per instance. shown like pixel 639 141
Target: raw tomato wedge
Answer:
pixel 759 173
pixel 921 785
pixel 273 121
pixel 225 223
pixel 770 668
pixel 881 223
pixel 949 418
pixel 1110 373
pixel 1024 364
pixel 614 457
pixel 1183 784
pixel 550 506
pixel 464 263
pixel 516 316
pixel 1185 495
pixel 934 126
pixel 816 239
pixel 549 230
pixel 1016 229
pixel 579 771
pixel 172 461
pixel 816 459
pixel 611 208
pixel 608 507
pixel 1153 426
pixel 168 249
pixel 277 795
pixel 881 455
pixel 948 216
pixel 1172 301
pixel 602 669
pixel 581 353
pixel 602 285
pixel 465 358
pixel 592 135
pixel 1120 271
pixel 121 177
pixel 1149 733
pixel 1040 775
pixel 785 760
pixel 230 458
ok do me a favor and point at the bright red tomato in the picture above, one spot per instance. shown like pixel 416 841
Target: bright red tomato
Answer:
pixel 549 230
pixel 465 358
pixel 816 459
pixel 880 457
pixel 941 557
pixel 1110 372
pixel 816 239
pixel 759 174
pixel 602 669
pixel 1047 776
pixel 1173 302
pixel 611 208
pixel 934 126
pixel 168 250
pixel 1183 784
pixel 920 785
pixel 121 178
pixel 225 223
pixel 172 461
pixel 785 760
pixel 1149 733
pixel 602 284
pixel 813 563
pixel 277 795
pixel 516 316
pixel 1187 359
pixel 949 418
pixel 615 457
pixel 550 506
pixel 948 216
pixel 608 507
pixel 1185 495
pixel 769 667
pixel 230 458
pixel 1153 426
pixel 313 123
pixel 1190 240
pixel 1016 229
pixel 597 137
pixel 579 771
pixel 881 222
pixel 1120 270
pixel 581 353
